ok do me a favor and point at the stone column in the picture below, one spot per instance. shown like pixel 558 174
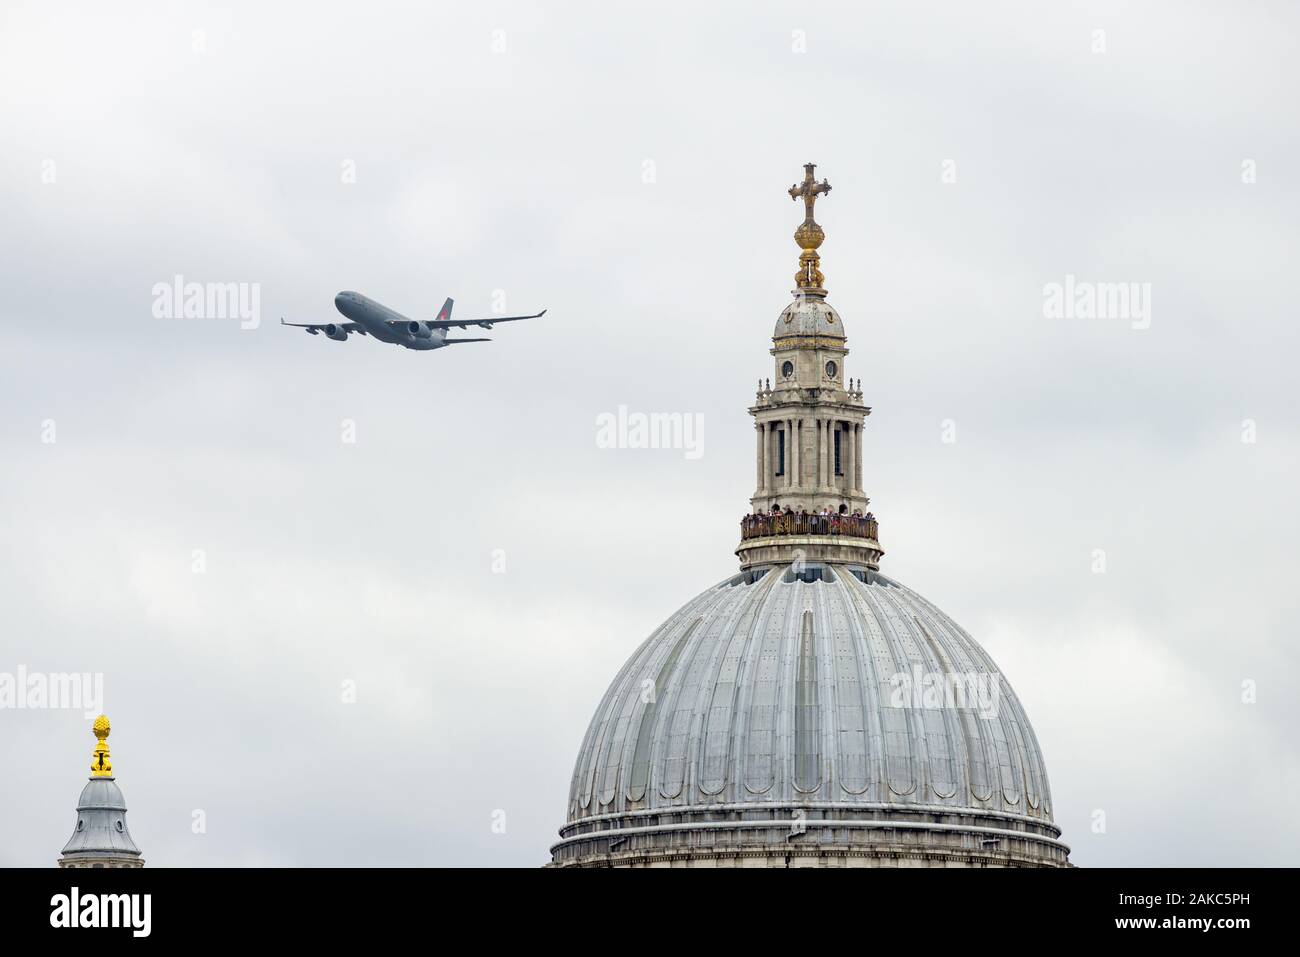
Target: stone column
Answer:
pixel 758 455
pixel 828 457
pixel 785 465
pixel 796 458
pixel 831 480
pixel 849 473
pixel 765 441
pixel 773 480
pixel 820 477
pixel 857 462
pixel 848 468
pixel 837 481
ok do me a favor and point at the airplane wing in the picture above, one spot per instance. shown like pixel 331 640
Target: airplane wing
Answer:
pixel 452 342
pixel 481 323
pixel 315 327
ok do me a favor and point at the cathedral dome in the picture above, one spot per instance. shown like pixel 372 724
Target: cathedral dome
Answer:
pixel 809 711
pixel 809 316
pixel 783 717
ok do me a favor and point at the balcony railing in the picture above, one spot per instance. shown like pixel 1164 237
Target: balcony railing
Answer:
pixel 806 523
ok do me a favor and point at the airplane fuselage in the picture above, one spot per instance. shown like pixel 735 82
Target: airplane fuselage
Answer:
pixel 388 325
pixel 370 318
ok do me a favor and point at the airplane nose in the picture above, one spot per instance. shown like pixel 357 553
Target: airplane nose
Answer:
pixel 338 301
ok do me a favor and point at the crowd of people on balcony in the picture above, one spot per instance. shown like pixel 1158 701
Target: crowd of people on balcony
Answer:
pixel 825 522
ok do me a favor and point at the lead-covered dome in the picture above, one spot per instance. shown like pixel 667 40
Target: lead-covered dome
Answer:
pixel 809 316
pixel 100 837
pixel 809 711
pixel 767 722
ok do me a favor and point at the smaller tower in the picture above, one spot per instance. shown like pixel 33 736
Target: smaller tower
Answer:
pixel 100 838
pixel 809 422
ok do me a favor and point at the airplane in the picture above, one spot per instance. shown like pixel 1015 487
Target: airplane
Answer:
pixel 367 317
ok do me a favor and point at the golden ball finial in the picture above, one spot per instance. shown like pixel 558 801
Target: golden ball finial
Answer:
pixel 102 727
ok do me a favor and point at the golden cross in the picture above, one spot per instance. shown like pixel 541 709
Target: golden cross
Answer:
pixel 809 189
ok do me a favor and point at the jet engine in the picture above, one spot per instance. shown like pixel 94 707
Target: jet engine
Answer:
pixel 419 330
pixel 336 332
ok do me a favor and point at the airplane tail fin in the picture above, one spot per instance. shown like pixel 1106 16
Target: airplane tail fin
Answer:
pixel 445 312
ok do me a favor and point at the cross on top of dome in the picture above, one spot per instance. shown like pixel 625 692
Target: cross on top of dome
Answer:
pixel 809 235
pixel 809 189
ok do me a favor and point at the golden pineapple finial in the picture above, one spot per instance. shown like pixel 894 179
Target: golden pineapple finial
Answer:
pixel 809 235
pixel 100 765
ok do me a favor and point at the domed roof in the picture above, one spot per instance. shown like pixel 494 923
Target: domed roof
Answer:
pixel 809 316
pixel 100 838
pixel 776 696
pixel 809 711
pixel 101 830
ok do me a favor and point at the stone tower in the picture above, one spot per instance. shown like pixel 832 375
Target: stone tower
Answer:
pixel 100 838
pixel 809 420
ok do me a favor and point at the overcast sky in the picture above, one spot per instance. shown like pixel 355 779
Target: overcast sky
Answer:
pixel 473 562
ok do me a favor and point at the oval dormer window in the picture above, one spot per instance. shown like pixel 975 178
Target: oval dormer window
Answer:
pixel 787 369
